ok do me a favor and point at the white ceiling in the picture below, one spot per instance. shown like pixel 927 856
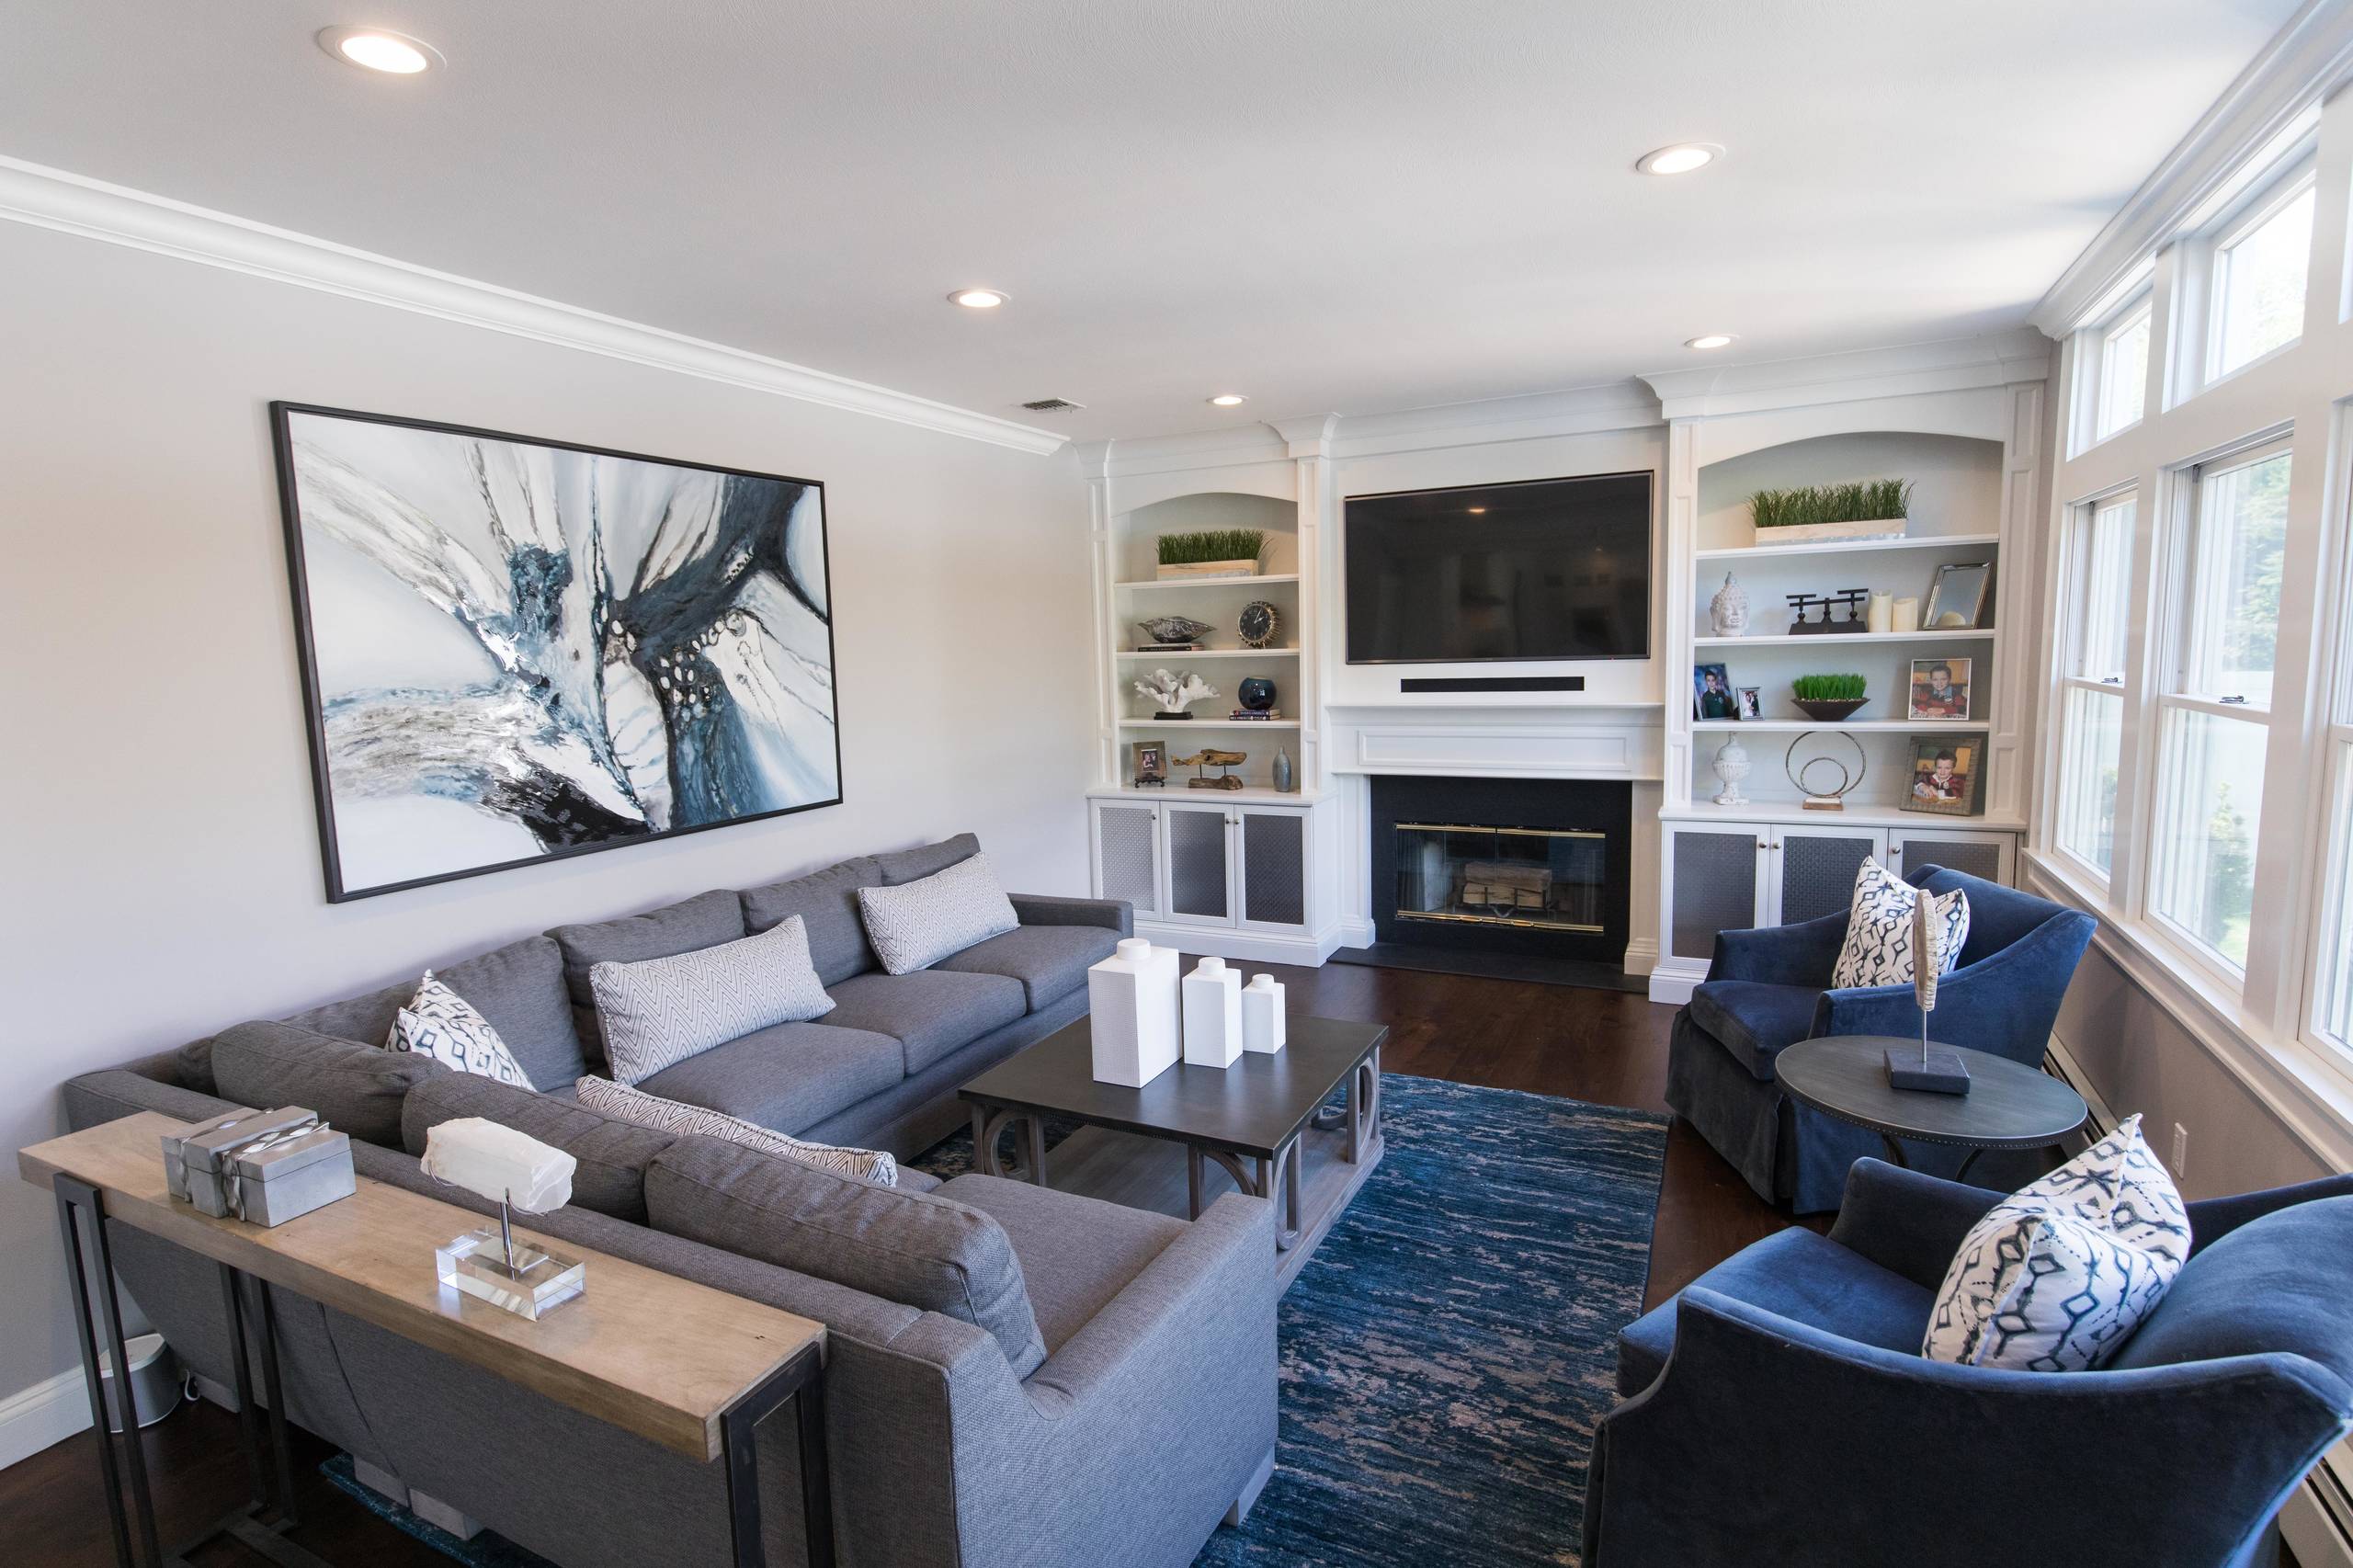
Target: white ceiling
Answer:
pixel 1349 205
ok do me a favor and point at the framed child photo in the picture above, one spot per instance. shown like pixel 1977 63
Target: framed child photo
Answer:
pixel 1152 762
pixel 1711 695
pixel 1945 776
pixel 1940 688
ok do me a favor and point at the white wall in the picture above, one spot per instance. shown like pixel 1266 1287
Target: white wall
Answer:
pixel 162 865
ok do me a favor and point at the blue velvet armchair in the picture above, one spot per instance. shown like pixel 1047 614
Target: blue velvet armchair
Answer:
pixel 1779 1412
pixel 1770 988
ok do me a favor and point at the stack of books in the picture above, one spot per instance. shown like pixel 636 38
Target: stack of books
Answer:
pixel 1170 647
pixel 1252 714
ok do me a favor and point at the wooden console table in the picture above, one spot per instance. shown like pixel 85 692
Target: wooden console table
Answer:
pixel 683 1364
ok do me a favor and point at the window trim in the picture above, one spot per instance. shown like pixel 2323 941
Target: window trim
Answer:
pixel 2076 570
pixel 2270 198
pixel 2333 910
pixel 2141 306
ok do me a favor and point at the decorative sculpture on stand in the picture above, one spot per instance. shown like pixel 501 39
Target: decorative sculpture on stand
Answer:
pixel 1170 693
pixel 1818 799
pixel 1210 756
pixel 1732 766
pixel 1728 611
pixel 1938 1069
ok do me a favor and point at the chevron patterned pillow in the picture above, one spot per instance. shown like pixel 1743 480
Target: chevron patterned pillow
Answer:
pixel 439 1023
pixel 917 923
pixel 641 1109
pixel 663 1010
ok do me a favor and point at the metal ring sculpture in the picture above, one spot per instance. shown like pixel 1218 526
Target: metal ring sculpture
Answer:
pixel 1797 774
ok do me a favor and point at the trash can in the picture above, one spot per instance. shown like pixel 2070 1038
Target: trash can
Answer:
pixel 154 1379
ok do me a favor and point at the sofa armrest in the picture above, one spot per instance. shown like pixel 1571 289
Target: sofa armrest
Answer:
pixel 1875 1455
pixel 1908 1224
pixel 1802 953
pixel 1039 909
pixel 2212 1219
pixel 97 1097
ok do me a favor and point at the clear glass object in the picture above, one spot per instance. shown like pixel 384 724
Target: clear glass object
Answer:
pixel 517 1277
pixel 1546 878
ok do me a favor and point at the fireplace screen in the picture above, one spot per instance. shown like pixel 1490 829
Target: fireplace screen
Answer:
pixel 1545 878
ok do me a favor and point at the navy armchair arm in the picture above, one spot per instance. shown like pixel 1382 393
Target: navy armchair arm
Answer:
pixel 2005 1003
pixel 1800 954
pixel 1908 1224
pixel 1770 1442
pixel 2212 1219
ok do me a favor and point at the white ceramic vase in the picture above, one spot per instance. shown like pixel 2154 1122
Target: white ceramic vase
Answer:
pixel 1732 766
pixel 1131 1010
pixel 1262 1015
pixel 1212 1014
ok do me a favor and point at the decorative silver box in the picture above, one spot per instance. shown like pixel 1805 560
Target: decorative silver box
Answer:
pixel 262 1167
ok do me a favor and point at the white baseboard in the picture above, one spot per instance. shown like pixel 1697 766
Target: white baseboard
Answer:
pixel 1357 932
pixel 1642 955
pixel 1250 947
pixel 49 1411
pixel 1673 980
pixel 2317 1518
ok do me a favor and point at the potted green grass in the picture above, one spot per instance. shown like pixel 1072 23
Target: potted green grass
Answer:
pixel 1874 509
pixel 1214 552
pixel 1830 699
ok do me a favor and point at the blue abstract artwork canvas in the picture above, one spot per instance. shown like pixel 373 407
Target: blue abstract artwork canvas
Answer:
pixel 515 648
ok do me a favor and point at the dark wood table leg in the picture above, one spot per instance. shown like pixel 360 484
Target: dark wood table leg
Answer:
pixel 1193 1173
pixel 1894 1151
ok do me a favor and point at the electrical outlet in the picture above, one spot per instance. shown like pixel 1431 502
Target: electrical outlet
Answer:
pixel 2181 1161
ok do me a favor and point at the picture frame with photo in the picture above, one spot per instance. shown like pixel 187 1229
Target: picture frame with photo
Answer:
pixel 1151 764
pixel 1711 693
pixel 1751 703
pixel 1940 688
pixel 1947 775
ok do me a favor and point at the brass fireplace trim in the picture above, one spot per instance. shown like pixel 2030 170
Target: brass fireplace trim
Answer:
pixel 1501 919
pixel 1489 828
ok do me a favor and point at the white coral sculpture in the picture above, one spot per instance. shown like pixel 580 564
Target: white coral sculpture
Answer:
pixel 1175 693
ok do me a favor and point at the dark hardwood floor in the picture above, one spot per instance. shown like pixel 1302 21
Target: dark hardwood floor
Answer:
pixel 1605 1047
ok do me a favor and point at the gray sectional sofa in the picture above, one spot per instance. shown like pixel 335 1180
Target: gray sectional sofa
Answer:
pixel 1015 1376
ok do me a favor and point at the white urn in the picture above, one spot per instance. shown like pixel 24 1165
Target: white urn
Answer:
pixel 1732 766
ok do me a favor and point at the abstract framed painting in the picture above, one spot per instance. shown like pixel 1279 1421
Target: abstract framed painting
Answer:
pixel 515 650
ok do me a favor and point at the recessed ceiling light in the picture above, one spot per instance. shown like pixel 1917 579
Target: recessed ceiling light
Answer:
pixel 1713 340
pixel 979 299
pixel 1679 159
pixel 374 49
pixel 1229 400
pixel 1475 511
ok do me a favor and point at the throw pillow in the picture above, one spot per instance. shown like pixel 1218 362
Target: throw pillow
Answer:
pixel 640 1108
pixel 1878 949
pixel 2056 1277
pixel 916 925
pixel 439 1023
pixel 663 1010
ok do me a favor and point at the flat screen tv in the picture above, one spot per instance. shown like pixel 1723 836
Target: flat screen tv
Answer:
pixel 1546 569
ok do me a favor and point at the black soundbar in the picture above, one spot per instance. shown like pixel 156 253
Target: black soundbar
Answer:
pixel 1492 682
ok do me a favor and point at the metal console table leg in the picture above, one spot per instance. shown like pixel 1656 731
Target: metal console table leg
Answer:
pixel 132 1551
pixel 801 1381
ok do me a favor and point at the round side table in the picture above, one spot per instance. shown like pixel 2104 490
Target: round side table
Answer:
pixel 2007 1106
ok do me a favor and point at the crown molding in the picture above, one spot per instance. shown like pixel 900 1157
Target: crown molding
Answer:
pixel 2305 60
pixel 1310 435
pixel 1957 364
pixel 72 204
pixel 1535 416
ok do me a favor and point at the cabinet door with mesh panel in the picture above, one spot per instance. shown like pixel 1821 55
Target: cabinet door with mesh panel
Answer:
pixel 1813 870
pixel 1198 849
pixel 1127 855
pixel 1715 886
pixel 1986 855
pixel 1274 869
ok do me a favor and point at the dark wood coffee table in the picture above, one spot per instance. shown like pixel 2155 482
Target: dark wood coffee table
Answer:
pixel 2008 1106
pixel 1257 1121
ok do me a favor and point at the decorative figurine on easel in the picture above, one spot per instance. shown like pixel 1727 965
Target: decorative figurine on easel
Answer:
pixel 1937 1068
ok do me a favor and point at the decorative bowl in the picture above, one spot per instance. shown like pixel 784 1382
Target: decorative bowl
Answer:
pixel 1830 713
pixel 1173 628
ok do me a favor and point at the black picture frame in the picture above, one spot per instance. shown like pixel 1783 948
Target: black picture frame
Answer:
pixel 281 413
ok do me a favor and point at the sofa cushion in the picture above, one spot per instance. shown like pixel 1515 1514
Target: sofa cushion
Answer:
pixel 359 1089
pixel 611 1153
pixel 1051 961
pixel 913 1248
pixel 827 902
pixel 929 1012
pixel 1803 1277
pixel 519 988
pixel 1754 1021
pixel 661 1011
pixel 2279 1283
pixel 786 1078
pixel 439 1023
pixel 677 1118
pixel 927 860
pixel 703 921
pixel 917 923
pixel 1076 1252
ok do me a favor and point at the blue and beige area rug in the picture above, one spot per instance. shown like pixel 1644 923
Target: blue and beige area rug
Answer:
pixel 1444 1353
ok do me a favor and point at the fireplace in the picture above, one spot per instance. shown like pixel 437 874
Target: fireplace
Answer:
pixel 1532 867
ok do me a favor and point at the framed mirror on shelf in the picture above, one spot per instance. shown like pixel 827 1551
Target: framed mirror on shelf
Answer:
pixel 1957 596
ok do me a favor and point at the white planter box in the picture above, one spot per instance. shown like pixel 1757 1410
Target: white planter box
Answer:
pixel 1209 569
pixel 1131 1009
pixel 1814 533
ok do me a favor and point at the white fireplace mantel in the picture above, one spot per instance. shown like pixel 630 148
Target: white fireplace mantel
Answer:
pixel 1557 741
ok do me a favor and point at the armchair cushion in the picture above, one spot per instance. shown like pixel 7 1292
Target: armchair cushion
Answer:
pixel 1755 1020
pixel 1797 1275
pixel 2281 1282
pixel 1075 1253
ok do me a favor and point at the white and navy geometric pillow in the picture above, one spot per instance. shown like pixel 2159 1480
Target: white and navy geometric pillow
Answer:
pixel 1878 949
pixel 916 925
pixel 641 1109
pixel 2059 1273
pixel 661 1011
pixel 439 1023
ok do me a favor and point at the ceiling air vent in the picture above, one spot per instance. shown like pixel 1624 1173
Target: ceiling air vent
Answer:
pixel 1052 405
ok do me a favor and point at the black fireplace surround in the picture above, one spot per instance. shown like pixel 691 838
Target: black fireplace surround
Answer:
pixel 1528 867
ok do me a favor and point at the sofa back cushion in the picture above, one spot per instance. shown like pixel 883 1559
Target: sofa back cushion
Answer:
pixel 916 925
pixel 612 1155
pixel 519 988
pixel 359 1089
pixel 913 1248
pixel 926 861
pixel 658 1012
pixel 827 902
pixel 703 921
pixel 2281 1283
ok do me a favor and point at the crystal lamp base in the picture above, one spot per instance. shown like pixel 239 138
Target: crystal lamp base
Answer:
pixel 539 1282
